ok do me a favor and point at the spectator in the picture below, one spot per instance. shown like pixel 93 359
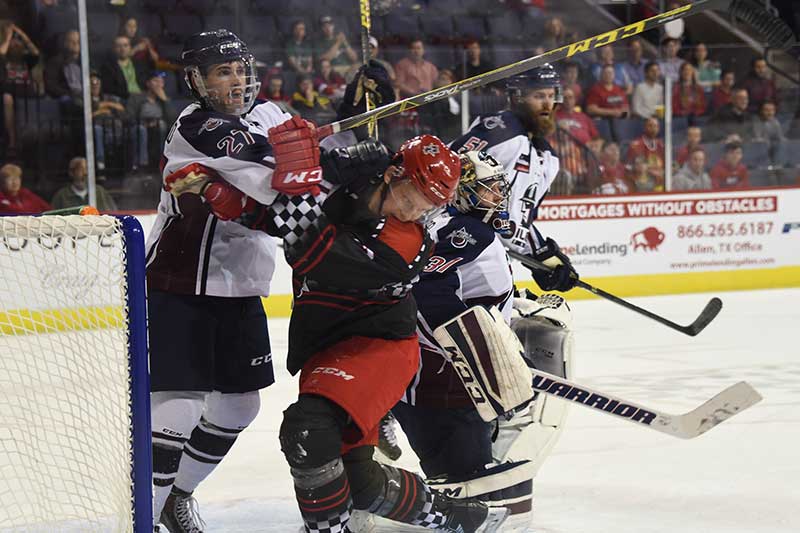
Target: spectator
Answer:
pixel 688 98
pixel 694 138
pixel 570 80
pixel 635 65
pixel 606 58
pixel 766 128
pixel 642 179
pixel 760 85
pixel 721 95
pixel 334 46
pixel 120 75
pixel 475 64
pixel 143 52
pixel 729 172
pixel 373 56
pixel 708 72
pixel 62 74
pixel 733 118
pixel 272 88
pixel 648 98
pixel 415 74
pixel 612 172
pixel 14 198
pixel 51 18
pixel 572 120
pixel 606 99
pixel 299 52
pixel 18 55
pixel 77 194
pixel 111 126
pixel 671 63
pixel 555 34
pixel 651 148
pixel 309 103
pixel 442 117
pixel 329 82
pixel 693 176
pixel 152 110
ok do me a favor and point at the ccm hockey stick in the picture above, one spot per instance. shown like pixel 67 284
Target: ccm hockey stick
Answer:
pixel 709 312
pixel 694 423
pixel 366 26
pixel 774 31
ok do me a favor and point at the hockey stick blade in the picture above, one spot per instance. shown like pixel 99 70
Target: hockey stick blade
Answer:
pixel 775 31
pixel 709 312
pixel 694 423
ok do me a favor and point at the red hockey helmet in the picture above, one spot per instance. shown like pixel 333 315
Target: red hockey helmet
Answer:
pixel 432 167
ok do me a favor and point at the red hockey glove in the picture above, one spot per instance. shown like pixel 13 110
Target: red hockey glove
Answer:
pixel 226 201
pixel 296 150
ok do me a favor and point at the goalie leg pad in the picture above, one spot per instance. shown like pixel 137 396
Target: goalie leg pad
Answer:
pixel 488 359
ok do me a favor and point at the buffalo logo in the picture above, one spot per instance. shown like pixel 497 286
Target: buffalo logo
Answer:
pixel 649 239
pixel 430 149
pixel 460 238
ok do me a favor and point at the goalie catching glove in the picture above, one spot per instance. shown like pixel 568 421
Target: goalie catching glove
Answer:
pixel 488 358
pixel 560 275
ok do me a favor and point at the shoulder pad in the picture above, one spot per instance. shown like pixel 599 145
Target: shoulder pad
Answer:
pixel 220 135
pixel 490 130
pixel 463 236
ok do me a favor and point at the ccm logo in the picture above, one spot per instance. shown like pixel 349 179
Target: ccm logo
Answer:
pixel 304 176
pixel 332 372
pixel 789 226
pixel 261 360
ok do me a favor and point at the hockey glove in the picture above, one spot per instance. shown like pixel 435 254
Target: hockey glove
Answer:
pixel 562 276
pixel 296 150
pixel 366 159
pixel 371 78
pixel 226 201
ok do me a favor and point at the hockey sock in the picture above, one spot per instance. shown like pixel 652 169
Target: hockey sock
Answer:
pixel 225 416
pixel 174 415
pixel 323 495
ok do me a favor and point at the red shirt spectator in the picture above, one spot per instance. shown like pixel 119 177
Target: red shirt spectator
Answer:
pixel 14 198
pixel 328 81
pixel 605 99
pixel 688 98
pixel 575 122
pixel 722 93
pixel 729 172
pixel 694 137
pixel 650 148
pixel 414 73
pixel 759 85
pixel 613 178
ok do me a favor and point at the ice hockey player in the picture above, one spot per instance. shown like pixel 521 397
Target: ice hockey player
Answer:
pixel 352 338
pixel 209 345
pixel 516 138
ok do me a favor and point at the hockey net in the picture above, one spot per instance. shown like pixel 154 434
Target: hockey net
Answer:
pixel 71 406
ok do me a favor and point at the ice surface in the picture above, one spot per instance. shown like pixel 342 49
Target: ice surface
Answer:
pixel 607 476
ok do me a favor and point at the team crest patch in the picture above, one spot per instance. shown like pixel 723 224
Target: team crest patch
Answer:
pixel 430 149
pixel 211 124
pixel 461 238
pixel 493 122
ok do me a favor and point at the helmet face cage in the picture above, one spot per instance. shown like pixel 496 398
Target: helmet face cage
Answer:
pixel 210 97
pixel 480 174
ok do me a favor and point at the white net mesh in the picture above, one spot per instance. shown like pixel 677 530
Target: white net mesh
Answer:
pixel 65 421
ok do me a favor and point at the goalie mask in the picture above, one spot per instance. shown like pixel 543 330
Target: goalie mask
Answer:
pixel 220 71
pixel 483 191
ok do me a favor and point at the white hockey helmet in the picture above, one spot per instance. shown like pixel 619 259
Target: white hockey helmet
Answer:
pixel 483 190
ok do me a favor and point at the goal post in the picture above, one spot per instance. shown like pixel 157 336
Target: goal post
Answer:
pixel 75 449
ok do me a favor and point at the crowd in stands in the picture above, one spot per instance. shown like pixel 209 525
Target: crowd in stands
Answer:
pixel 610 125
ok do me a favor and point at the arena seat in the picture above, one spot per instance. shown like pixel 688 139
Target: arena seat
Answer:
pixel 401 28
pixel 179 26
pixel 470 27
pixel 504 28
pixel 438 28
pixel 756 154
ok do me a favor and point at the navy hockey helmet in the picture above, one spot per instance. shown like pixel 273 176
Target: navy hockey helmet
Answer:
pixel 544 77
pixel 203 50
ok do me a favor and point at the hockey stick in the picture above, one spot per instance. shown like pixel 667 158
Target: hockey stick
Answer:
pixel 775 32
pixel 709 312
pixel 366 25
pixel 694 423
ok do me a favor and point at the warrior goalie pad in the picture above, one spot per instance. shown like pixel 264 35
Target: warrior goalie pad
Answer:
pixel 488 357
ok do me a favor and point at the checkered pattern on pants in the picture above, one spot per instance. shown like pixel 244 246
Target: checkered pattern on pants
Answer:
pixel 428 517
pixel 332 524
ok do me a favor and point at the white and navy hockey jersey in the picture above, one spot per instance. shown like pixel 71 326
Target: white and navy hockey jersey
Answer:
pixel 469 267
pixel 190 251
pixel 531 166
